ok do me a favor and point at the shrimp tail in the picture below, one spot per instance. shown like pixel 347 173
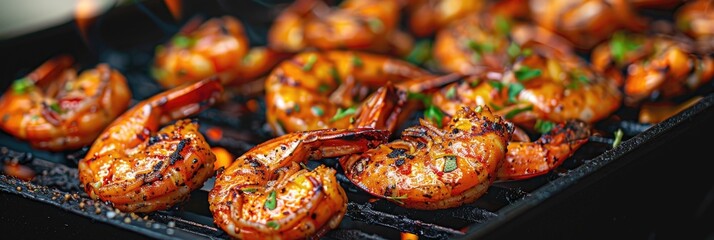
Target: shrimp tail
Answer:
pixel 529 159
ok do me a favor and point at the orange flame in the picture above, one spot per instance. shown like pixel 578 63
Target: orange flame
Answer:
pixel 223 158
pixel 174 7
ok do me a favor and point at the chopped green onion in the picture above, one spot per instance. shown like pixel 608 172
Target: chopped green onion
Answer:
pixel 503 26
pixel 434 114
pixel 397 199
pixel 335 75
pixel 544 126
pixel 496 84
pixel 183 41
pixel 474 83
pixel 249 189
pixel 526 52
pixel 317 111
pixel 420 53
pixel 271 203
pixel 620 45
pixel 450 163
pixel 419 96
pixel 22 85
pixel 525 73
pixel 296 108
pixel 310 62
pixel 483 47
pixel 478 109
pixel 451 92
pixel 323 88
pixel 618 138
pixel 495 107
pixel 513 50
pixel 356 61
pixel 514 112
pixel 341 113
pixel 273 225
pixel 56 107
pixel 375 24
pixel 513 90
pixel 302 164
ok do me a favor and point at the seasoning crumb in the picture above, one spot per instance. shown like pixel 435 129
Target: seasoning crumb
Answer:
pixel 111 214
pixel 97 210
pixel 172 224
pixel 157 226
pixel 127 220
pixel 81 205
pixel 54 198
pixel 66 197
pixel 19 189
pixel 169 231
pixel 133 216
pixel 146 218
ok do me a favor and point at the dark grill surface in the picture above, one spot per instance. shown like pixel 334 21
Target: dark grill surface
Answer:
pixel 56 183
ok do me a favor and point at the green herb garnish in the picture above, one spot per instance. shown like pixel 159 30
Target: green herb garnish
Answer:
pixel 620 45
pixel 375 24
pixel 397 199
pixel 544 126
pixel 317 111
pixel 503 26
pixel 450 163
pixel 434 114
pixel 271 203
pixel 514 112
pixel 513 90
pixel 513 50
pixel 341 113
pixel 183 41
pixel 249 190
pixel 525 73
pixel 618 138
pixel 356 61
pixel 496 84
pixel 420 53
pixel 22 85
pixel 451 92
pixel 273 225
pixel 310 62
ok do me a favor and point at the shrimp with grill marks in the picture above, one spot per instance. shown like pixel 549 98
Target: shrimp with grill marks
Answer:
pixel 432 168
pixel 54 109
pixel 319 90
pixel 265 194
pixel 654 66
pixel 140 169
pixel 217 47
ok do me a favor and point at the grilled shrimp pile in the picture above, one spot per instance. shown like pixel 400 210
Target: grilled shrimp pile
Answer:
pixel 483 78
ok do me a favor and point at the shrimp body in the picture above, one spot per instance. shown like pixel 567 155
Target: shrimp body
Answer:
pixel 696 19
pixel 586 22
pixel 486 42
pixel 369 25
pixel 557 89
pixel 218 47
pixel 140 169
pixel 316 90
pixel 427 16
pixel 265 194
pixel 653 65
pixel 527 159
pixel 432 168
pixel 54 109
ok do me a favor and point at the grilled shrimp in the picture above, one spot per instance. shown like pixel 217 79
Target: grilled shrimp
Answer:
pixel 487 42
pixel 54 109
pixel 656 64
pixel 265 194
pixel 427 16
pixel 555 88
pixel 217 46
pixel 318 90
pixel 586 22
pixel 432 168
pixel 526 159
pixel 140 169
pixel 369 25
pixel 696 19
